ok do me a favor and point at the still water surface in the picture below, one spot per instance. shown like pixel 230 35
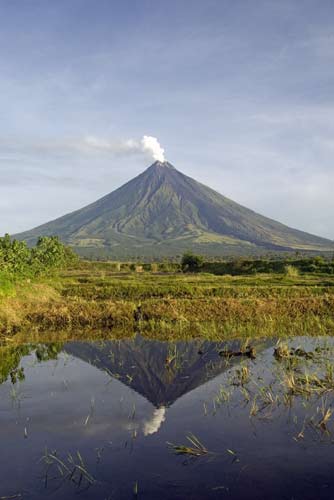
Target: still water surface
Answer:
pixel 93 420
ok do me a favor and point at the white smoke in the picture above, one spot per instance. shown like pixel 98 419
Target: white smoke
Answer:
pixel 151 145
pixel 153 425
pixel 148 145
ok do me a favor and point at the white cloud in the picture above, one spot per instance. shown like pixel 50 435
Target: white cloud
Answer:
pixel 31 149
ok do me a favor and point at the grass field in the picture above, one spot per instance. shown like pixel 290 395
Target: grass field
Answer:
pixel 93 297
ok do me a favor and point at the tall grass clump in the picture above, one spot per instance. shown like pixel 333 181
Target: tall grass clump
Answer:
pixel 291 271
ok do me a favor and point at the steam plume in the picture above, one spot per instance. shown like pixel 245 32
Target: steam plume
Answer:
pixel 151 145
pixel 148 145
pixel 153 425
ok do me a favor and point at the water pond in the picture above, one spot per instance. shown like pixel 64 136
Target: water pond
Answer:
pixel 138 418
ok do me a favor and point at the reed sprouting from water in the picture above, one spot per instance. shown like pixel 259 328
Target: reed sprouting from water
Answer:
pixel 72 468
pixel 195 449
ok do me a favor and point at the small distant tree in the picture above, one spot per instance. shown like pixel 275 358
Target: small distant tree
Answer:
pixel 319 261
pixel 191 262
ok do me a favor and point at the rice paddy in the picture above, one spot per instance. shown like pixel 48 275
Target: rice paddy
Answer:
pixel 91 298
pixel 167 385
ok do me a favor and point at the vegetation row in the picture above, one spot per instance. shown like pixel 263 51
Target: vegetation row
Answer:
pixel 18 261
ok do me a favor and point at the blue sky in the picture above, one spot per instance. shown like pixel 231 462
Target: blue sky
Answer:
pixel 239 93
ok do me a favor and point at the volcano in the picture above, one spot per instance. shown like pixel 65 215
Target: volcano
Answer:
pixel 141 364
pixel 163 212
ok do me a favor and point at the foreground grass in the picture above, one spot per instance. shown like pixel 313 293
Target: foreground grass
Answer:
pixel 96 298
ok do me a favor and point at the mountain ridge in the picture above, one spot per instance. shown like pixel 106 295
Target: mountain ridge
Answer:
pixel 164 212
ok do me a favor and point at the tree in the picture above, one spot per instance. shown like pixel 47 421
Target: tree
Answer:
pixel 14 255
pixel 191 262
pixel 51 253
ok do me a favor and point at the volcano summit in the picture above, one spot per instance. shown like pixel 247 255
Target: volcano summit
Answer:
pixel 163 212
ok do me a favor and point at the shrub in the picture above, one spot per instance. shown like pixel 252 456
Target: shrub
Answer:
pixel 49 253
pixel 15 256
pixel 291 271
pixel 191 262
pixel 154 267
pixel 17 260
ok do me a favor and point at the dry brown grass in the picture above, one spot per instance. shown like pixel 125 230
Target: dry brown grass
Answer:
pixel 14 310
pixel 107 314
pixel 220 309
pixel 40 307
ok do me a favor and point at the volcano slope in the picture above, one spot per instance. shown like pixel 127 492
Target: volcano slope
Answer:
pixel 163 212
